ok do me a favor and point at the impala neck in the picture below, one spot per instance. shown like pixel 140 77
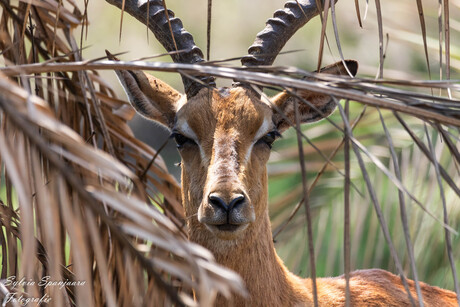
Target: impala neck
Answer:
pixel 253 256
pixel 268 281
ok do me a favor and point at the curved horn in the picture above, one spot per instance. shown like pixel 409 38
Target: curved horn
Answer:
pixel 157 22
pixel 278 31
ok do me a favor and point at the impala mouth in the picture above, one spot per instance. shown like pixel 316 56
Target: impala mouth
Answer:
pixel 227 227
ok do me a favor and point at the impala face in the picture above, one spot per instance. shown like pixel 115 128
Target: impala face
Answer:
pixel 224 138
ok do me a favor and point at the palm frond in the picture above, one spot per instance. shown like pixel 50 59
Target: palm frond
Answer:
pixel 84 204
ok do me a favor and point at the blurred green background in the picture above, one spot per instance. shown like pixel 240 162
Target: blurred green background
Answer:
pixel 234 26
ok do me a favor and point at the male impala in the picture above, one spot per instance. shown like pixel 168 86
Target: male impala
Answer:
pixel 224 136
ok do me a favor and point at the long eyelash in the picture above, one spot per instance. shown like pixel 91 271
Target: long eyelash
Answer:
pixel 277 134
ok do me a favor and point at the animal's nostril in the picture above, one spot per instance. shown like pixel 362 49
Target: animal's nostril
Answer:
pixel 238 200
pixel 218 202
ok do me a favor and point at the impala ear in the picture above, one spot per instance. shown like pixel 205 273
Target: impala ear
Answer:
pixel 285 102
pixel 152 98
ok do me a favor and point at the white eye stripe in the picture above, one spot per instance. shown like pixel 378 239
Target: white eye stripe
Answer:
pixel 248 153
pixel 264 129
pixel 184 128
pixel 181 102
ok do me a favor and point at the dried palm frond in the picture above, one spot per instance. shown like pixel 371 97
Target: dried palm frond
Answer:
pixel 90 215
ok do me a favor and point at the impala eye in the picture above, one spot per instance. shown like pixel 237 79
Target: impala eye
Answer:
pixel 182 140
pixel 269 138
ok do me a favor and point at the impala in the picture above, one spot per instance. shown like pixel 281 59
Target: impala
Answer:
pixel 224 136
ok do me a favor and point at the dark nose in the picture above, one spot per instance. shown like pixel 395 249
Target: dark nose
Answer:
pixel 218 202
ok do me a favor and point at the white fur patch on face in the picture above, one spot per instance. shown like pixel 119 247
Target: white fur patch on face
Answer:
pixel 248 153
pixel 184 128
pixel 181 102
pixel 264 129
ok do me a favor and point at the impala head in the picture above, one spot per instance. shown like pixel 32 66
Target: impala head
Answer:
pixel 224 135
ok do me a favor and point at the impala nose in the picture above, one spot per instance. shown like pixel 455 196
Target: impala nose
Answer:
pixel 216 201
pixel 226 211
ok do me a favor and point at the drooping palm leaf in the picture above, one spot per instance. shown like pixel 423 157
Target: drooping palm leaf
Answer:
pixel 83 201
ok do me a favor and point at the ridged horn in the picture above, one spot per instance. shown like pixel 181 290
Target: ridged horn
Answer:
pixel 278 31
pixel 159 25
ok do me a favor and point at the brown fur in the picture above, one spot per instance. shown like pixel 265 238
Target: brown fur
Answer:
pixel 226 158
